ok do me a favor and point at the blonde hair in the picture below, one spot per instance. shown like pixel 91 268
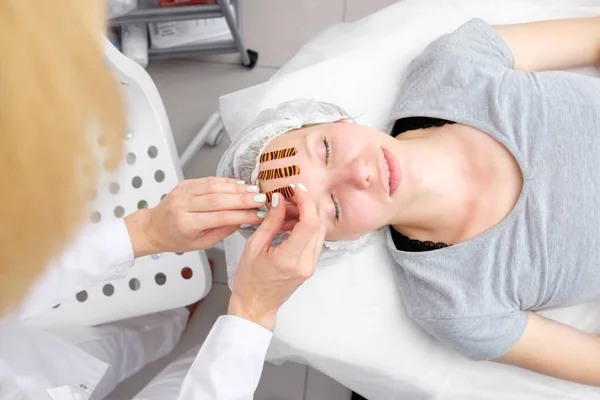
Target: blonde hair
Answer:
pixel 55 91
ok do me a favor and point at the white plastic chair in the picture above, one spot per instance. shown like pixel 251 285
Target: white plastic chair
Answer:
pixel 150 170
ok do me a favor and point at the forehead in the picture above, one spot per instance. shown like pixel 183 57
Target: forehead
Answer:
pixel 297 137
pixel 288 139
pixel 283 160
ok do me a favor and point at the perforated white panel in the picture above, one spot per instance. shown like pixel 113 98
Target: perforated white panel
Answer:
pixel 150 169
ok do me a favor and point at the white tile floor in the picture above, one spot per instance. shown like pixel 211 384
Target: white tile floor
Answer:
pixel 190 91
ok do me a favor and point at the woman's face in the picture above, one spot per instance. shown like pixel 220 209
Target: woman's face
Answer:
pixel 345 168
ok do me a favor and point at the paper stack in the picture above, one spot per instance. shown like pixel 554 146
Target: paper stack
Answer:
pixel 187 33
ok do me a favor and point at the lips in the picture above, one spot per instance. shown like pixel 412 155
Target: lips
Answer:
pixel 393 172
pixel 385 172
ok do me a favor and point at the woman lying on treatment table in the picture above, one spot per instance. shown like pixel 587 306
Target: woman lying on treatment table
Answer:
pixel 489 182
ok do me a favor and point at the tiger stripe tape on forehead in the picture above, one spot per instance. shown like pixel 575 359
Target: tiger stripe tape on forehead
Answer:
pixel 279 173
pixel 285 191
pixel 274 155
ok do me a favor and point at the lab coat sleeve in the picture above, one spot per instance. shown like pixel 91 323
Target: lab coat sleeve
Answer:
pixel 229 363
pixel 97 253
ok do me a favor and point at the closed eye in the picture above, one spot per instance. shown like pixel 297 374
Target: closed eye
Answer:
pixel 327 150
pixel 337 209
pixel 327 160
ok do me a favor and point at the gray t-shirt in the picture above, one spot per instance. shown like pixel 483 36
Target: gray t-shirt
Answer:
pixel 472 296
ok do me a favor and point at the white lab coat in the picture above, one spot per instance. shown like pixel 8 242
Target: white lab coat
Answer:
pixel 228 365
pixel 36 364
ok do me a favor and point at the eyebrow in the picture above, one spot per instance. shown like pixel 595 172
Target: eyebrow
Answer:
pixel 307 147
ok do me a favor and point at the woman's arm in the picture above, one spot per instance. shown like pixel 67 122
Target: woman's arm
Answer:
pixel 195 215
pixel 230 361
pixel 551 348
pixel 553 45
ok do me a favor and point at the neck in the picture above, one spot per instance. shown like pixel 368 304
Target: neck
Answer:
pixel 440 186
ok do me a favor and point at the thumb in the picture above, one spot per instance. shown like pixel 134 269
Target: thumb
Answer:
pixel 273 222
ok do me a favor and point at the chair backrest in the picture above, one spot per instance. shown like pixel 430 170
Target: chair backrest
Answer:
pixel 150 170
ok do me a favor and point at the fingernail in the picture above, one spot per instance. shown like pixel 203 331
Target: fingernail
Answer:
pixel 261 214
pixel 260 198
pixel 302 187
pixel 241 182
pixel 292 185
pixel 252 189
pixel 275 201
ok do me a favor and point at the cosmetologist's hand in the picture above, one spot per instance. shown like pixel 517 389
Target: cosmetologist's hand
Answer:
pixel 268 275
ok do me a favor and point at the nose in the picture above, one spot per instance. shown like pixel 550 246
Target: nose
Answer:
pixel 357 174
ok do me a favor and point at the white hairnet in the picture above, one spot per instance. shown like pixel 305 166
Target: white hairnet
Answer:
pixel 240 161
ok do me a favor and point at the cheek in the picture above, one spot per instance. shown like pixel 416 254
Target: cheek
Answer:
pixel 353 141
pixel 361 214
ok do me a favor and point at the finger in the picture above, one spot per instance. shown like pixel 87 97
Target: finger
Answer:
pixel 303 203
pixel 230 180
pixel 225 201
pixel 219 219
pixel 208 180
pixel 213 236
pixel 213 184
pixel 315 246
pixel 318 245
pixel 272 223
pixel 289 225
pixel 308 225
pixel 292 211
pixel 310 256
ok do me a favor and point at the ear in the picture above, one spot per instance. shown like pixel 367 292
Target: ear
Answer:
pixel 343 121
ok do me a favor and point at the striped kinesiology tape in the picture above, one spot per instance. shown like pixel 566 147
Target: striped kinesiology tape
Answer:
pixel 285 191
pixel 277 154
pixel 277 173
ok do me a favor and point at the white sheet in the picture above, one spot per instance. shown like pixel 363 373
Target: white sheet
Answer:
pixel 348 320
